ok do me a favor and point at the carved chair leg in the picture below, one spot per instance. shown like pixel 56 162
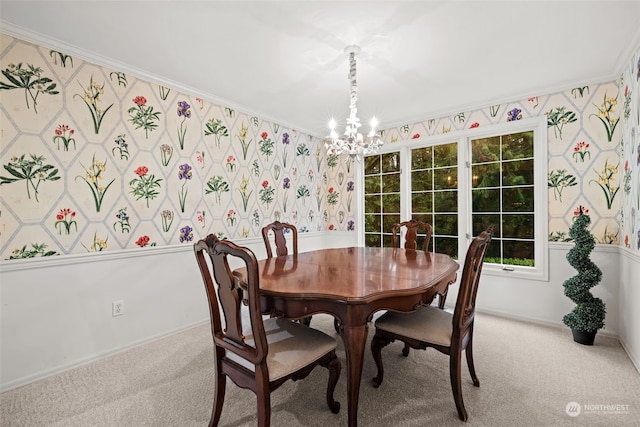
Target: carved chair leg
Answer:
pixel 306 321
pixel 334 367
pixel 405 350
pixel 377 343
pixel 218 400
pixel 336 325
pixel 442 298
pixel 472 369
pixel 456 382
pixel 263 397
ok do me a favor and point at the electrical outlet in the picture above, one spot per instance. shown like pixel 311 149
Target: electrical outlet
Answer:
pixel 117 308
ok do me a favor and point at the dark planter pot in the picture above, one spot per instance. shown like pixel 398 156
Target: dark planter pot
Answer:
pixel 583 337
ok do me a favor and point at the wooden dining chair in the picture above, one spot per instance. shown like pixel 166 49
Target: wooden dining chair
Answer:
pixel 415 228
pixel 432 327
pixel 278 229
pixel 257 353
pixel 411 236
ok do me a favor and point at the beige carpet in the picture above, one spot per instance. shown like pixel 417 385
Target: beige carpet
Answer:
pixel 528 374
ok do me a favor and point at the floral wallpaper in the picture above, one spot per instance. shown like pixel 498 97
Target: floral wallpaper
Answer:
pixel 594 152
pixel 95 160
pixel 629 85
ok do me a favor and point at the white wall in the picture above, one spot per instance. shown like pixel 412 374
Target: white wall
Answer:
pixel 545 301
pixel 56 313
pixel 629 304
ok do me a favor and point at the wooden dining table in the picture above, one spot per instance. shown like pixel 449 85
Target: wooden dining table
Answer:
pixel 352 284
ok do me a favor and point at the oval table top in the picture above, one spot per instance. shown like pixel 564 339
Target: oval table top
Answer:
pixel 353 273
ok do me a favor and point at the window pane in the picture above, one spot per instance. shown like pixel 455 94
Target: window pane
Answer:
pixel 390 162
pixel 372 184
pixel 421 202
pixel 485 200
pixel 421 180
pixel 485 150
pixel 372 240
pixel 504 188
pixel 391 203
pixel 428 218
pixel 388 221
pixel 446 245
pixel 485 175
pixel 494 252
pixel 436 168
pixel 372 204
pixel 517 146
pixel 372 165
pixel 519 172
pixel 382 206
pixel 421 158
pixel 445 155
pixel 445 178
pixel 391 183
pixel 445 224
pixel 445 201
pixel 519 226
pixel 518 250
pixel 372 223
pixel 518 199
pixel 482 222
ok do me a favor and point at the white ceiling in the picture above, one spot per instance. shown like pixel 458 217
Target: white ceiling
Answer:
pixel 285 60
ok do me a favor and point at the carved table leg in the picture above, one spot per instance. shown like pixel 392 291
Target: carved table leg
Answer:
pixel 355 340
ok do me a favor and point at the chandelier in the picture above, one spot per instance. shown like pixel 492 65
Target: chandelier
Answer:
pixel 353 142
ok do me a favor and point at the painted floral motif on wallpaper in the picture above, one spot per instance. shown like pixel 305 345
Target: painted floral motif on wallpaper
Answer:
pixel 64 135
pixel 29 79
pixel 120 163
pixel 32 170
pixel 94 179
pixel 91 98
pixel 608 115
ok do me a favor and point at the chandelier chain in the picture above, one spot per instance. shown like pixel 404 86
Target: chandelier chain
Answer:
pixel 354 144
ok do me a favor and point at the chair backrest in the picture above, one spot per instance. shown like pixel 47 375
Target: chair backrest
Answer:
pixel 224 293
pixel 411 237
pixel 464 311
pixel 278 228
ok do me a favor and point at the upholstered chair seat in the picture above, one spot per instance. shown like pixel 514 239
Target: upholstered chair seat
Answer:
pixel 439 331
pixel 292 346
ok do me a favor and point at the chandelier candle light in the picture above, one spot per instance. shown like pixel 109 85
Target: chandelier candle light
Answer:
pixel 353 143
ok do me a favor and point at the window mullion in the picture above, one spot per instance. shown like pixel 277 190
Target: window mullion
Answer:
pixel 465 223
pixel 405 184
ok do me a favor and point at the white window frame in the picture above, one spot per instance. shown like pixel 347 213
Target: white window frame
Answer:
pixel 541 204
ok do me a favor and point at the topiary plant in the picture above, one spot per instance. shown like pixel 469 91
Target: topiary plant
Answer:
pixel 589 313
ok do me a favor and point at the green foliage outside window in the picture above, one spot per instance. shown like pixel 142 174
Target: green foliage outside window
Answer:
pixel 502 195
pixel 434 189
pixel 381 198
